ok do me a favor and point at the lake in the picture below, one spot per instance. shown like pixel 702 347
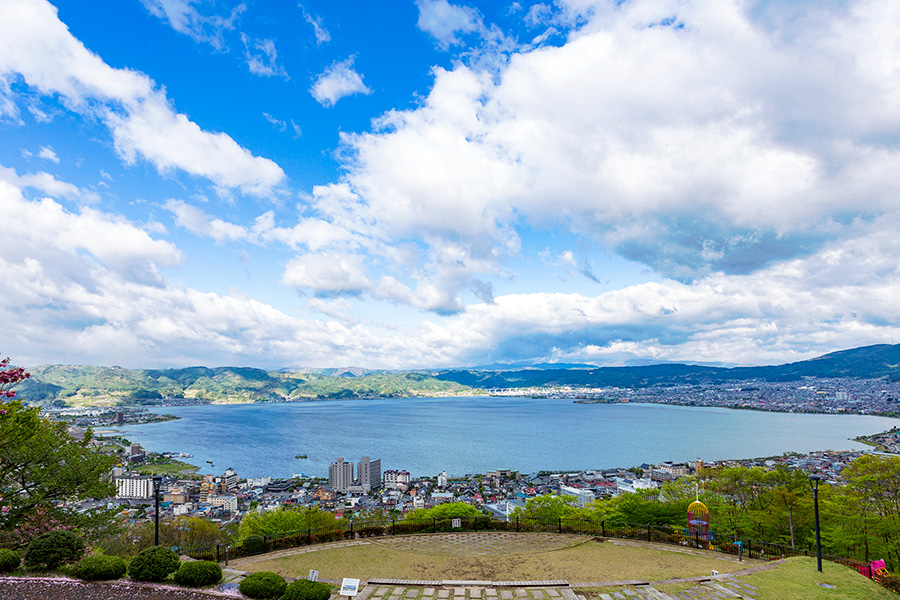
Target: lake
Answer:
pixel 472 435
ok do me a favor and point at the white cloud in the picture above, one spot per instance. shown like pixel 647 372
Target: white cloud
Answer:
pixel 444 21
pixel 276 123
pixel 703 145
pixel 47 153
pixel 196 221
pixel 327 274
pixel 322 34
pixel 44 226
pixel 37 46
pixel 48 184
pixel 262 57
pixel 338 81
pixel 184 17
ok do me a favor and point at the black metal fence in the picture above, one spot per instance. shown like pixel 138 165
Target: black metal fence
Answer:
pixel 719 542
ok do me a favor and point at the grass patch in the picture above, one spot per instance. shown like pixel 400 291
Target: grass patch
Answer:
pixel 586 562
pixel 798 579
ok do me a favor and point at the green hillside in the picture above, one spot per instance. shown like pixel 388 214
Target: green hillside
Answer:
pixel 84 385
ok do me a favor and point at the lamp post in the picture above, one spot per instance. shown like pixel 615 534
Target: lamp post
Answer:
pixel 814 482
pixel 157 479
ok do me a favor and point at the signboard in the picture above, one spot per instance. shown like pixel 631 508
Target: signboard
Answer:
pixel 456 523
pixel 349 587
pixel 313 575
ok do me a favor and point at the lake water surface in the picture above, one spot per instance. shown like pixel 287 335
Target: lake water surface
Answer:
pixel 472 435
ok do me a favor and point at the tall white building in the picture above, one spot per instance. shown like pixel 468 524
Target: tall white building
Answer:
pixel 134 487
pixel 368 473
pixel 442 479
pixel 340 475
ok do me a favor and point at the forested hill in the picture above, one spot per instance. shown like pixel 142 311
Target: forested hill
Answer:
pixel 882 360
pixel 114 385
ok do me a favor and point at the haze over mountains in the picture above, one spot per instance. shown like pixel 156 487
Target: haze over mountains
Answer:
pixel 115 385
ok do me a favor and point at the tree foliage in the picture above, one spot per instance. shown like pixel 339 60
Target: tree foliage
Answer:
pixel 284 520
pixel 42 466
pixel 448 510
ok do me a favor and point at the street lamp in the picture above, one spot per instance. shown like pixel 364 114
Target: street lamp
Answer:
pixel 157 479
pixel 814 482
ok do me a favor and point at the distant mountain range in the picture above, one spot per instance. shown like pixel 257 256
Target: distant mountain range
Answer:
pixel 114 385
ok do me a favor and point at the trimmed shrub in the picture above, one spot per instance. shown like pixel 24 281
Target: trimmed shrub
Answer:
pixel 198 573
pixel 304 589
pixel 255 544
pixel 54 548
pixel 262 585
pixel 9 560
pixel 99 568
pixel 155 563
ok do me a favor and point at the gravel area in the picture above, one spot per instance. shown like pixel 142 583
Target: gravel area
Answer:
pixel 56 588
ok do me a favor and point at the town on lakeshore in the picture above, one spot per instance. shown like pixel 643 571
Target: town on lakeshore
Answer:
pixel 364 488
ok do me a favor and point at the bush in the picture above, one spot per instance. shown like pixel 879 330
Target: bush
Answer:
pixel 198 573
pixel 264 584
pixel 54 548
pixel 255 544
pixel 9 560
pixel 99 568
pixel 304 589
pixel 153 564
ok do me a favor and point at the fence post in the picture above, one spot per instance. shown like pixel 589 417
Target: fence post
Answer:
pixel 749 548
pixel 309 535
pixel 476 523
pixel 603 528
pixel 217 553
pixel 517 524
pixel 392 527
pixel 351 530
pixel 559 524
pixel 226 555
pixel 648 532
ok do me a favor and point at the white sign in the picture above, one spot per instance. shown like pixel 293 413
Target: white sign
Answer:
pixel 456 523
pixel 349 587
pixel 313 575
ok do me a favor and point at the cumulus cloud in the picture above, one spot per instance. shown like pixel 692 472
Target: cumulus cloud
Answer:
pixel 262 57
pixel 338 81
pixel 37 46
pixel 184 17
pixel 638 136
pixel 327 274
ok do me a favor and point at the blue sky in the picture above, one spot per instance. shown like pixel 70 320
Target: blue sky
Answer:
pixel 429 184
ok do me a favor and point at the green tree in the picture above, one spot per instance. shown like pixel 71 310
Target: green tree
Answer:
pixel 449 510
pixel 285 520
pixel 42 467
pixel 547 508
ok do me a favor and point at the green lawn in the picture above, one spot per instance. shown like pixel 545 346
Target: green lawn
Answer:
pixel 798 579
pixel 587 562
